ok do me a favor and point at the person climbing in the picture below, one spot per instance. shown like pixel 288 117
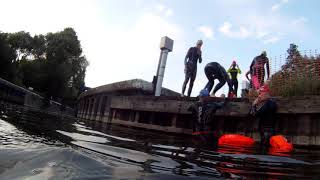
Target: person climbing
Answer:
pixel 214 71
pixel 190 62
pixel 203 112
pixel 234 70
pixel 258 71
pixel 264 107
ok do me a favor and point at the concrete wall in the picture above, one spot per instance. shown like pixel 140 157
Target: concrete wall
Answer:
pixel 17 95
pixel 298 119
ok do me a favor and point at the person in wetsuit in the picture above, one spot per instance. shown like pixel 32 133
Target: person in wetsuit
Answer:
pixel 214 71
pixel 191 61
pixel 257 68
pixel 234 70
pixel 265 107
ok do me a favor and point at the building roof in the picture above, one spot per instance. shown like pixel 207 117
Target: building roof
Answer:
pixel 128 85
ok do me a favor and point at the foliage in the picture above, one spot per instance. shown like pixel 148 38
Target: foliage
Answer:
pixel 52 64
pixel 298 77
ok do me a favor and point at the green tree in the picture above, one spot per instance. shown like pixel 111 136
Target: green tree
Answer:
pixel 22 43
pixel 53 64
pixel 67 66
pixel 293 56
pixel 7 56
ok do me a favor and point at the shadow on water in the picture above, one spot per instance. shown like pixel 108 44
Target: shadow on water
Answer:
pixel 39 146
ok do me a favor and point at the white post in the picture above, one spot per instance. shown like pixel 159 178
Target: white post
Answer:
pixel 162 67
pixel 166 46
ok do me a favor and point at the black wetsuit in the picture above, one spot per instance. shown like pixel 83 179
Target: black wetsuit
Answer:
pixel 266 113
pixel 191 61
pixel 214 71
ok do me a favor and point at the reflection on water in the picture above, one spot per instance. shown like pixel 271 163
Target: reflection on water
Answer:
pixel 36 146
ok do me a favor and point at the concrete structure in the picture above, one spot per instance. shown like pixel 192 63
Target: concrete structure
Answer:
pixel 166 46
pixel 96 103
pixel 11 93
pixel 130 103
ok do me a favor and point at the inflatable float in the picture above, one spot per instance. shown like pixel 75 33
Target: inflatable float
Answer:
pixel 277 143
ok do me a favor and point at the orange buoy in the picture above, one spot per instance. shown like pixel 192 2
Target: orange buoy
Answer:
pixel 235 140
pixel 280 143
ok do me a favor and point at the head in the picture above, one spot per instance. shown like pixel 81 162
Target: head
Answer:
pixel 264 54
pixel 234 64
pixel 199 44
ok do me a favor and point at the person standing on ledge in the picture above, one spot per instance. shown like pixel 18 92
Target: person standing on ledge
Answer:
pixel 214 71
pixel 190 70
pixel 234 70
pixel 258 71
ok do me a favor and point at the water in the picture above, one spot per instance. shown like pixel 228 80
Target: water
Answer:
pixel 36 146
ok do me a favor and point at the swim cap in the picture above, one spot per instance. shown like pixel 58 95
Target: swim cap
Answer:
pixel 199 42
pixel 204 93
pixel 264 53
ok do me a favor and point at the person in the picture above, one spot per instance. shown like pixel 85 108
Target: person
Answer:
pixel 264 107
pixel 234 70
pixel 214 71
pixel 190 62
pixel 258 71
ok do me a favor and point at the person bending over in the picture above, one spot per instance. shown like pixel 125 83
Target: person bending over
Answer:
pixel 214 71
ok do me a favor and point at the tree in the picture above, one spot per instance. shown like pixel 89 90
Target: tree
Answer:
pixel 22 43
pixel 53 64
pixel 67 66
pixel 293 56
pixel 7 56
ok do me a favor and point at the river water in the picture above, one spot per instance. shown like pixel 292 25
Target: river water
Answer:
pixel 37 146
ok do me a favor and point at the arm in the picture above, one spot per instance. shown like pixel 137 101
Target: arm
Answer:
pixel 268 68
pixel 252 64
pixel 200 58
pixel 247 75
pixel 187 56
pixel 239 71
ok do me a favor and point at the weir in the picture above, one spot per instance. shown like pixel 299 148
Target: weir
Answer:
pixel 131 103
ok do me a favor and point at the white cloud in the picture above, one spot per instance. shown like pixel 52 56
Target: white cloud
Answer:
pixel 163 10
pixel 299 21
pixel 168 12
pixel 226 29
pixel 132 52
pixel 277 6
pixel 271 40
pixel 261 34
pixel 206 31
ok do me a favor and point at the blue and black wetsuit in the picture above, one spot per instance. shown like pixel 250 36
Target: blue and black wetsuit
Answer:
pixel 191 61
pixel 214 71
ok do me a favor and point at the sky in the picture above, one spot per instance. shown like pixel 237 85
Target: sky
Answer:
pixel 120 38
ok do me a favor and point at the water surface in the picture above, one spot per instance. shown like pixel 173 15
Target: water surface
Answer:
pixel 37 146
